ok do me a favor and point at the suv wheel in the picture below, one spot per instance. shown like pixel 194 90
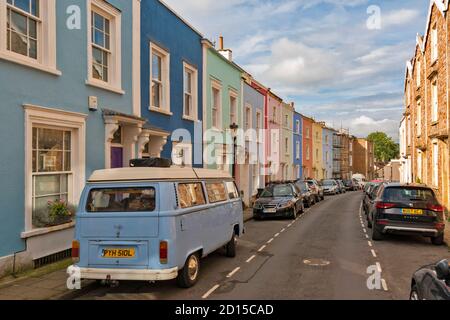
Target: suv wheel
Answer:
pixel 438 241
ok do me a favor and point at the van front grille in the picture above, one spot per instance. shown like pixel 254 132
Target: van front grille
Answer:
pixel 38 263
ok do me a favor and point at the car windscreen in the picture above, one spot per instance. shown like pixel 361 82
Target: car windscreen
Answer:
pixel 277 191
pixel 408 194
pixel 121 200
pixel 302 187
pixel 329 183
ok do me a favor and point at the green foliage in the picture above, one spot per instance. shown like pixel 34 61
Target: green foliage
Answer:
pixel 385 148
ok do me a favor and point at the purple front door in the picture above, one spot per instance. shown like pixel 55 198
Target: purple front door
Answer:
pixel 116 157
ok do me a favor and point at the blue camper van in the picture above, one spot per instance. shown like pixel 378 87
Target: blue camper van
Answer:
pixel 155 223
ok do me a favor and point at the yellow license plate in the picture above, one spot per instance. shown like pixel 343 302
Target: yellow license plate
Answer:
pixel 412 211
pixel 118 253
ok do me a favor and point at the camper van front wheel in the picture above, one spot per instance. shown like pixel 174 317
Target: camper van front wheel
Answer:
pixel 188 276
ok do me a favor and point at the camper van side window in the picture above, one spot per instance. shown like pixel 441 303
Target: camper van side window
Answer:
pixel 191 195
pixel 121 200
pixel 216 192
pixel 232 191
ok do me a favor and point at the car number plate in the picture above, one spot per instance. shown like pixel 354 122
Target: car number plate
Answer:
pixel 270 210
pixel 412 211
pixel 112 253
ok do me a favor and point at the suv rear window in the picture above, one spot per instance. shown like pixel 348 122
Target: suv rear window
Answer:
pixel 407 194
pixel 121 200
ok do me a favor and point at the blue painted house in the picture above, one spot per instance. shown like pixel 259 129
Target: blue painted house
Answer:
pixel 327 143
pixel 70 105
pixel 172 96
pixel 298 147
pixel 251 174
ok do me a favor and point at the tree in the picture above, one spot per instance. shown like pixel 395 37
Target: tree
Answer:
pixel 385 147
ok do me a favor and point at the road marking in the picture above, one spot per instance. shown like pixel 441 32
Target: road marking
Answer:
pixel 373 253
pixel 206 295
pixel 367 237
pixel 233 272
pixel 384 284
pixel 289 225
pixel 270 241
pixel 364 229
pixel 379 267
pixel 370 244
pixel 283 230
pixel 276 235
pixel 262 248
pixel 251 258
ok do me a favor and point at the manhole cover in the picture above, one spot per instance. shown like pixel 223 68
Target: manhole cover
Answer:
pixel 316 262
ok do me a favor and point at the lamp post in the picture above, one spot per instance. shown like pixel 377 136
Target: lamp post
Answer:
pixel 234 127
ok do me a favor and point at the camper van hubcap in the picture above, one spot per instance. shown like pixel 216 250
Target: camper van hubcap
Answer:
pixel 193 267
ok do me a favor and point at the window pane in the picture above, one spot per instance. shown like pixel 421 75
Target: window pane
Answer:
pixel 99 38
pixel 47 184
pixel 8 40
pixel 156 67
pixel 105 58
pixel 191 195
pixel 156 99
pixel 32 51
pixel 34 164
pixel 97 71
pixel 18 23
pixel 35 7
pixel 216 192
pixel 67 161
pixel 50 139
pixel 40 210
pixel 50 161
pixel 33 29
pixel 107 26
pixel 187 104
pixel 22 4
pixel 188 82
pixel 121 200
pixel 105 74
pixel 107 42
pixel 19 43
pixel 231 187
pixel 97 56
pixel 98 21
pixel 67 140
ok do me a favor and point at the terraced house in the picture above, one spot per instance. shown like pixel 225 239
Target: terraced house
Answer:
pixel 69 92
pixel 318 169
pixel 327 151
pixel 297 147
pixel 275 111
pixel 172 86
pixel 425 126
pixel 307 142
pixel 286 152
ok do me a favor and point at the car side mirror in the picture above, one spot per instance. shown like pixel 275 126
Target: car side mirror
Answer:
pixel 443 270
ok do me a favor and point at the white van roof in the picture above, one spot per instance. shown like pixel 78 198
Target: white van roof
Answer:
pixel 143 174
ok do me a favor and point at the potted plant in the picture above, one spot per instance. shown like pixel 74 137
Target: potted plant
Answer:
pixel 59 212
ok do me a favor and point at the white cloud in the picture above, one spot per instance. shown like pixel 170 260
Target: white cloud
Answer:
pixel 398 17
pixel 364 125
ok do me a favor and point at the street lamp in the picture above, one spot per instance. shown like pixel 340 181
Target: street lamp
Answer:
pixel 234 127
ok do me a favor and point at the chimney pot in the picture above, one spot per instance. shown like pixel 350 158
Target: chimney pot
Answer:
pixel 221 43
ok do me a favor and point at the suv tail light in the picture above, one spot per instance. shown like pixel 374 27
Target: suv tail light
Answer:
pixel 435 207
pixel 163 252
pixel 384 205
pixel 75 249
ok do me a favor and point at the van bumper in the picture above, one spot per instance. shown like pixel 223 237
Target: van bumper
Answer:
pixel 128 274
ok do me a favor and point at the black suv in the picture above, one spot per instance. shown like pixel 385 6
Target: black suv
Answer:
pixel 406 209
pixel 279 200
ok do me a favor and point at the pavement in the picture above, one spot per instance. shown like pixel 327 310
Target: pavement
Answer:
pixel 324 254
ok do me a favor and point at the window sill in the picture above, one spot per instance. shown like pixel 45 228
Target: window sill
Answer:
pixel 189 119
pixel 434 62
pixel 160 110
pixel 216 130
pixel 105 86
pixel 29 63
pixel 42 231
pixel 434 123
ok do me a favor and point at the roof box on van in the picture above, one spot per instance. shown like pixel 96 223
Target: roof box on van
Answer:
pixel 151 163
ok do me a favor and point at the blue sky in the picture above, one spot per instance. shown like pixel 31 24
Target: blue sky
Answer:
pixel 320 53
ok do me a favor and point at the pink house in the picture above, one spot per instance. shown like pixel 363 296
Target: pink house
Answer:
pixel 274 115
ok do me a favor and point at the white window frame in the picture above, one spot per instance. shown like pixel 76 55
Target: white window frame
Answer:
pixel 106 10
pixel 297 150
pixel 308 151
pixel 434 100
pixel 165 79
pixel 409 130
pixel 59 119
pixel 233 108
pixel 194 94
pixel 248 120
pixel 286 146
pixel 419 118
pixel 297 126
pixel 419 164
pixel 435 163
pixel 259 125
pixel 434 43
pixel 215 85
pixel 46 30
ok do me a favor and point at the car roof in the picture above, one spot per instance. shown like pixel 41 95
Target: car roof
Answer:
pixel 156 174
pixel 411 185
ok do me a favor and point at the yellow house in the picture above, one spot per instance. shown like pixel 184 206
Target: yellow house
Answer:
pixel 318 168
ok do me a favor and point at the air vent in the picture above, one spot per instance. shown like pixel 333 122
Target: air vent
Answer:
pixel 38 263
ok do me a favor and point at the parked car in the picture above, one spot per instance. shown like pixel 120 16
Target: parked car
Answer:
pixel 369 197
pixel 305 190
pixel 431 282
pixel 316 189
pixel 350 185
pixel 330 187
pixel 279 200
pixel 407 209
pixel 126 217
pixel 341 186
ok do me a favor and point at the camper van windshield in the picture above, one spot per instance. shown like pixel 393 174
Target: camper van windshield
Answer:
pixel 121 200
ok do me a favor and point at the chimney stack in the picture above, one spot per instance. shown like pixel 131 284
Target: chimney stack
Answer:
pixel 227 53
pixel 220 43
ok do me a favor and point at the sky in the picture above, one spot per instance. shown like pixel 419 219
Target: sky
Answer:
pixel 334 59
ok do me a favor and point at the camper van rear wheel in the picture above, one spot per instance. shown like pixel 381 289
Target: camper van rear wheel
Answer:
pixel 231 247
pixel 188 276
